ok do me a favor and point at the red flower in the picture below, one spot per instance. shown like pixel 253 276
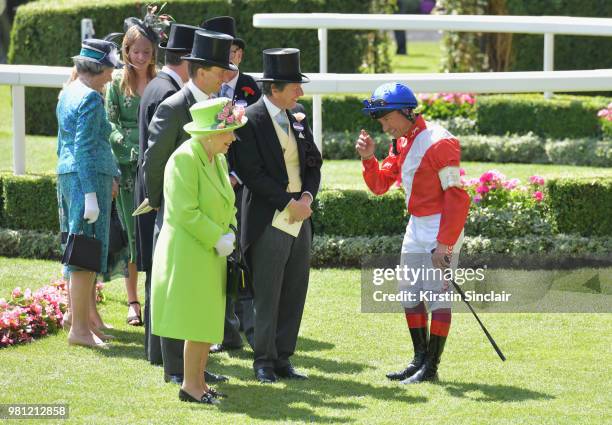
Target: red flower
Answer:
pixel 248 91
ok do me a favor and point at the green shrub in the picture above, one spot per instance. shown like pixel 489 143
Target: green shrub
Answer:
pixel 40 25
pixel 581 205
pixel 333 251
pixel 30 202
pixel 571 52
pixel 562 117
pixel 589 151
pixel 527 148
pixel 340 251
pixel 360 213
pixel 30 244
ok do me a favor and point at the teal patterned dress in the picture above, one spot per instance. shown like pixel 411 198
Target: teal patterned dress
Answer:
pixel 85 165
pixel 122 113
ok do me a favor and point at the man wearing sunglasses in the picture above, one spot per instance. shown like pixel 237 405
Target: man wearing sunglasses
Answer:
pixel 424 159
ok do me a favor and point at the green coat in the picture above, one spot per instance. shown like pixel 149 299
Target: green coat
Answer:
pixel 188 277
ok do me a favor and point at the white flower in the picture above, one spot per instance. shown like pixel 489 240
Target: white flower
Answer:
pixel 299 116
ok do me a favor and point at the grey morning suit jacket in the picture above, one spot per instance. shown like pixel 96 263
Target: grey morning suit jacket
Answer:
pixel 166 134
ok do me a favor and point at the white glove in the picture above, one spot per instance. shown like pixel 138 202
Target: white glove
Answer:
pixel 225 244
pixel 91 207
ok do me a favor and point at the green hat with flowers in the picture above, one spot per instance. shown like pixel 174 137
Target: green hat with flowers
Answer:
pixel 214 116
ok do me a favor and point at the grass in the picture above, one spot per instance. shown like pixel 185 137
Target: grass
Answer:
pixel 557 372
pixel 422 57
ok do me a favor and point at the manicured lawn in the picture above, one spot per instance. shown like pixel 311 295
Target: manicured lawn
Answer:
pixel 557 371
pixel 423 57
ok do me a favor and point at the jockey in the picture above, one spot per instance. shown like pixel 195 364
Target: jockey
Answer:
pixel 424 159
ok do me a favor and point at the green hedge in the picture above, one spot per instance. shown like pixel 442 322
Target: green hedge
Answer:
pixel 330 251
pixel 581 205
pixel 48 33
pixel 576 205
pixel 342 251
pixel 527 148
pixel 571 52
pixel 30 202
pixel 562 117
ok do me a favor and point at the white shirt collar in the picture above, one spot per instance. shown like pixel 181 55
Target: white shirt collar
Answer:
pixel 198 94
pixel 232 83
pixel 174 76
pixel 273 110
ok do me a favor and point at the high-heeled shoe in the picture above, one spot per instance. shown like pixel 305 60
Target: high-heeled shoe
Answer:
pixel 206 398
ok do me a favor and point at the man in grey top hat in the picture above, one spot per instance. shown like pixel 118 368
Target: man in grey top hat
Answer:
pixel 208 63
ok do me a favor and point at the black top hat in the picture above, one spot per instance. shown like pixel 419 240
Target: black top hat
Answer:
pixel 180 39
pixel 225 25
pixel 283 66
pixel 211 48
pixel 101 52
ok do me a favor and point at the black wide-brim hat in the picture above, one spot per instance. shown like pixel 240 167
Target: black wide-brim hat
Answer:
pixel 211 48
pixel 102 52
pixel 282 66
pixel 180 39
pixel 225 25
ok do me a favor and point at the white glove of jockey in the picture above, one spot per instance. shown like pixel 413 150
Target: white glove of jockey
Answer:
pixel 225 244
pixel 92 211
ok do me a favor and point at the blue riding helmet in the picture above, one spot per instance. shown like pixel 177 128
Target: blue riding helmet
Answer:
pixel 389 97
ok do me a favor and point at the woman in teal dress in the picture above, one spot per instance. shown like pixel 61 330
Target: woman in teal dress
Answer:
pixel 188 284
pixel 122 100
pixel 85 170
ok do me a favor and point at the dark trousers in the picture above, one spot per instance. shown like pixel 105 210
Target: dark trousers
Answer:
pixel 152 343
pixel 281 265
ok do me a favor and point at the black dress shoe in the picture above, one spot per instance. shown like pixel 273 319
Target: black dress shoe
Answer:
pixel 173 379
pixel 207 398
pixel 219 348
pixel 288 372
pixel 213 377
pixel 265 375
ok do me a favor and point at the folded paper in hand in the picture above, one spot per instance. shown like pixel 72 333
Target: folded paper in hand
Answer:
pixel 143 208
pixel 281 222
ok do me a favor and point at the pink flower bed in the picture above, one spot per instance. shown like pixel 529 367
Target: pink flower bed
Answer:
pixel 494 189
pixel 26 315
pixel 606 113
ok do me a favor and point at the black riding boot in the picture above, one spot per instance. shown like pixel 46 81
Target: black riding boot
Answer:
pixel 419 342
pixel 429 369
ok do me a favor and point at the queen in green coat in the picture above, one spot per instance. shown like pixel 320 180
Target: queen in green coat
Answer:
pixel 189 264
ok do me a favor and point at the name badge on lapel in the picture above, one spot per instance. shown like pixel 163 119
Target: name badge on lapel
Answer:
pixel 299 128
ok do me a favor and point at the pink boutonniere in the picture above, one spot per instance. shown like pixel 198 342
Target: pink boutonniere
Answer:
pixel 299 116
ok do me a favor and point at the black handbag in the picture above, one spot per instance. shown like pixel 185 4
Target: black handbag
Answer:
pixel 239 283
pixel 83 251
pixel 117 236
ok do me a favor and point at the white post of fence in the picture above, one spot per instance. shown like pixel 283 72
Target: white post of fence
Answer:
pixel 317 99
pixel 549 57
pixel 19 157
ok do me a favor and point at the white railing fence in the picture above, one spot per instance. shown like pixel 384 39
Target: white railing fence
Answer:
pixel 322 22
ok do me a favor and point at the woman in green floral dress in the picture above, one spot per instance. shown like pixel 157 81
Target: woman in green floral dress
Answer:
pixel 122 100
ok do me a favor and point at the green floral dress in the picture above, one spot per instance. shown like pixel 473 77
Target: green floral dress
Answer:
pixel 122 113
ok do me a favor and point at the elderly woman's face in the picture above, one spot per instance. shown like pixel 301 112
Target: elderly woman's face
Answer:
pixel 220 143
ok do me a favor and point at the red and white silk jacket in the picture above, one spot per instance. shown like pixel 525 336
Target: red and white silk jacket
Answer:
pixel 426 163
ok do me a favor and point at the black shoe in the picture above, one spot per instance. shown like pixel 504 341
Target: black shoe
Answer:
pixel 288 372
pixel 429 370
pixel 219 348
pixel 173 379
pixel 215 393
pixel 207 398
pixel 265 375
pixel 213 377
pixel 419 342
